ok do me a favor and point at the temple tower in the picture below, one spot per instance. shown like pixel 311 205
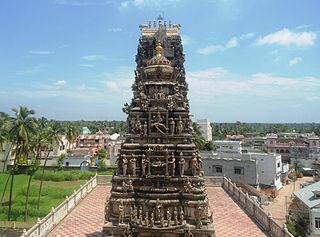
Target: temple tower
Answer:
pixel 158 189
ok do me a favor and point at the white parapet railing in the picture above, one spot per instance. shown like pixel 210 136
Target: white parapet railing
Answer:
pixel 46 224
pixel 264 219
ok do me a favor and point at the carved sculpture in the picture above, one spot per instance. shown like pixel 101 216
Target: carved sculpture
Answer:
pixel 158 196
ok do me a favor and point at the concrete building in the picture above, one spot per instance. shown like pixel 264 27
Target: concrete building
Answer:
pixel 205 128
pixel 252 168
pixel 305 209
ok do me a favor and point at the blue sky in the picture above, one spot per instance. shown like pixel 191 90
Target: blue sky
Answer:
pixel 250 60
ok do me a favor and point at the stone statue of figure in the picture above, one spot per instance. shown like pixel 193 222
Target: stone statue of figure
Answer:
pixel 188 186
pixel 169 216
pixel 146 220
pixel 143 164
pixel 127 232
pixel 172 126
pixel 121 214
pixel 124 164
pixel 149 160
pixel 175 217
pixel 140 216
pixel 134 214
pixel 130 186
pixel 158 209
pixel 167 162
pixel 181 217
pixel 106 211
pixel 151 219
pixel 198 214
pixel 173 164
pixel 179 127
pixel 161 93
pixel 137 125
pixel 194 165
pixel 188 233
pixel 145 128
pixel 133 164
pixel 200 170
pixel 181 164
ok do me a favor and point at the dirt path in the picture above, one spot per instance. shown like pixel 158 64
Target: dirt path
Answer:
pixel 279 207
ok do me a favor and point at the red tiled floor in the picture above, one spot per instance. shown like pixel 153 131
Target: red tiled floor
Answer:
pixel 88 218
pixel 228 218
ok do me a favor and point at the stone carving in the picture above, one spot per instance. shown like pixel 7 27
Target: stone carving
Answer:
pixel 150 195
pixel 158 124
pixel 194 165
pixel 133 161
pixel 172 126
pixel 124 164
pixel 181 164
pixel 172 164
pixel 179 126
pixel 121 213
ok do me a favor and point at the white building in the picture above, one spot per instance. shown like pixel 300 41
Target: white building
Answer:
pixel 205 128
pixel 228 147
pixel 267 171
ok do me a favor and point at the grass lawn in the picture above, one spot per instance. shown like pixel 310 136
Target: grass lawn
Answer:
pixel 53 193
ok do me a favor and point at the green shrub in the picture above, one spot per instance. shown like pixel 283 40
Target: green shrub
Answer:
pixel 59 176
pixel 295 229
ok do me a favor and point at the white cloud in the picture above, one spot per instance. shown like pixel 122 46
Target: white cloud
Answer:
pixel 60 83
pixel 286 37
pixel 41 52
pixel 186 39
pixel 233 42
pixel 76 3
pixel 156 4
pixel 294 61
pixel 246 36
pixel 115 29
pixel 87 65
pixel 93 57
pixel 211 49
pixel 220 83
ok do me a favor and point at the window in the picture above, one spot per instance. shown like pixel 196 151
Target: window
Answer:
pixel 317 222
pixel 271 142
pixel 314 143
pixel 238 170
pixel 278 165
pixel 218 169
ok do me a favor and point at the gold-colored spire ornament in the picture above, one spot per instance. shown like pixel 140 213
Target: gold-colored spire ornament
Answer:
pixel 159 49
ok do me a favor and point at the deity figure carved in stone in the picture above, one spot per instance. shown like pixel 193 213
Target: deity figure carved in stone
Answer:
pixel 124 164
pixel 121 212
pixel 145 128
pixel 194 165
pixel 172 164
pixel 169 216
pixel 181 164
pixel 179 126
pixel 143 164
pixel 167 162
pixel 181 217
pixel 140 216
pixel 151 219
pixel 188 186
pixel 149 160
pixel 172 126
pixel 133 163
pixel 175 216
pixel 157 123
pixel 127 232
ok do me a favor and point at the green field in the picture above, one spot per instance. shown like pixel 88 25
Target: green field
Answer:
pixel 53 193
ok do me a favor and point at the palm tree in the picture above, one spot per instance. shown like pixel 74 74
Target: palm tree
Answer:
pixel 71 134
pixel 19 135
pixel 52 138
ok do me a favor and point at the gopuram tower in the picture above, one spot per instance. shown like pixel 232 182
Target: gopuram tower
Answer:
pixel 158 188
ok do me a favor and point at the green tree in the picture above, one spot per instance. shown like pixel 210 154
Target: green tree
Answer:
pixel 52 137
pixel 19 135
pixel 197 137
pixel 72 132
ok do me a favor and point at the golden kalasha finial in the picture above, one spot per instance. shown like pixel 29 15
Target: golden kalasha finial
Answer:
pixel 159 49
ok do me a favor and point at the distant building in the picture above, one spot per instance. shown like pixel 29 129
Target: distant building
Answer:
pixel 295 148
pixel 228 147
pixel 205 128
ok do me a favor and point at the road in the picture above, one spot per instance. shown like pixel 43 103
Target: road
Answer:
pixel 278 207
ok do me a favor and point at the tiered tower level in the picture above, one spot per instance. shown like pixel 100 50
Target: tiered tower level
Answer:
pixel 158 189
